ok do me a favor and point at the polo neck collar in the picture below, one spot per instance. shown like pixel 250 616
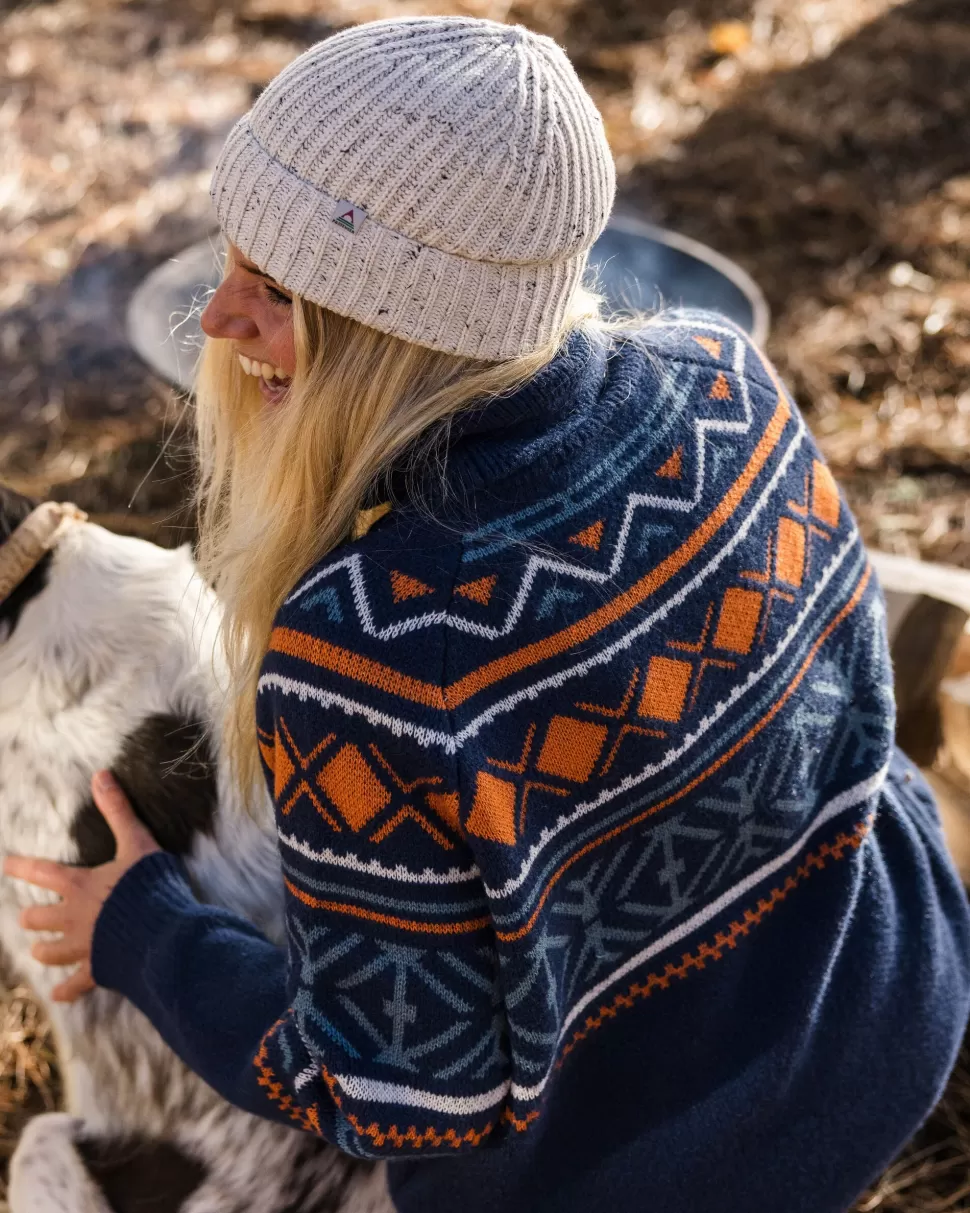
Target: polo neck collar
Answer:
pixel 517 435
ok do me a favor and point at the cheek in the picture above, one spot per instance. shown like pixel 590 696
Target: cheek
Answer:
pixel 277 327
pixel 287 350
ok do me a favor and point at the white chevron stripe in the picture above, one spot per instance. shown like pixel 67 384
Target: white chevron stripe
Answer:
pixel 371 867
pixel 353 564
pixel 550 832
pixel 452 742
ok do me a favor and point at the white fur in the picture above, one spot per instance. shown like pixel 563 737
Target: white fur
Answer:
pixel 123 630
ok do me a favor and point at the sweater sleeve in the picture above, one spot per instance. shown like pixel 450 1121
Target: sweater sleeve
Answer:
pixel 208 980
pixel 310 1038
pixel 393 1039
pixel 381 1026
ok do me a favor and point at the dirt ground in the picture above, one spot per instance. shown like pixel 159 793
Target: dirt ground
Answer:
pixel 822 144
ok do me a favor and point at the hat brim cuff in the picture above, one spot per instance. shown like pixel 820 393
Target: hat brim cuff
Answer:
pixel 478 309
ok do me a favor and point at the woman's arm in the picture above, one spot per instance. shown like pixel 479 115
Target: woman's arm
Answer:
pixel 345 1036
pixel 207 980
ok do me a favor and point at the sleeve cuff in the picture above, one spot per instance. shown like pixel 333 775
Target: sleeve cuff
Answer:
pixel 152 893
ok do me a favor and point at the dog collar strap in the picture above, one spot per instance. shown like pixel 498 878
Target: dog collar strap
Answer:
pixel 32 540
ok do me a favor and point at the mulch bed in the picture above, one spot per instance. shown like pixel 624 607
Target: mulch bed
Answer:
pixel 822 145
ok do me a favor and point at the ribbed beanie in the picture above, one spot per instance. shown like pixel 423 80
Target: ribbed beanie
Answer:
pixel 438 178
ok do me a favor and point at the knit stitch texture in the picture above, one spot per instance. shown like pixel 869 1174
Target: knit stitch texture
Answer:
pixel 605 885
pixel 438 178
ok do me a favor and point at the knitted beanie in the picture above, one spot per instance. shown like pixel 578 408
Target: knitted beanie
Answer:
pixel 438 178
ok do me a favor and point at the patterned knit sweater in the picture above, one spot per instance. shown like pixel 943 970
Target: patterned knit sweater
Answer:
pixel 604 881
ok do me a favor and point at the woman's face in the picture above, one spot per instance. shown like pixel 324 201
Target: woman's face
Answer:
pixel 256 314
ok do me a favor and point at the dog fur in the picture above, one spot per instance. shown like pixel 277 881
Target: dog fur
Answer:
pixel 108 659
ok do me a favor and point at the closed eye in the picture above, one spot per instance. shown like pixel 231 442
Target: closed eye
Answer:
pixel 277 296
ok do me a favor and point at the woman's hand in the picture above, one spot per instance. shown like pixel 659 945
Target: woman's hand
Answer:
pixel 83 891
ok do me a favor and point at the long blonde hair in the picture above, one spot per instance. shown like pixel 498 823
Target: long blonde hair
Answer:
pixel 280 488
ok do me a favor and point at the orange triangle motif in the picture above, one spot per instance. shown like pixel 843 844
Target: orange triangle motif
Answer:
pixel 721 389
pixel 445 804
pixel 478 591
pixel 269 755
pixel 708 343
pixel 283 769
pixel 404 587
pixel 670 470
pixel 591 537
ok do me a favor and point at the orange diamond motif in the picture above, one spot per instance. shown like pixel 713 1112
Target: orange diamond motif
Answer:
pixel 665 688
pixel 825 495
pixel 790 552
pixel 571 748
pixel 445 804
pixel 738 621
pixel 353 787
pixel 493 813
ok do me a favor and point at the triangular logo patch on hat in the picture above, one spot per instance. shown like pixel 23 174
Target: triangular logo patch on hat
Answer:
pixel 348 215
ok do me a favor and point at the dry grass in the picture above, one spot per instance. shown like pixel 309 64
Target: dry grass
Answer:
pixel 822 144
pixel 933 1173
pixel 28 1067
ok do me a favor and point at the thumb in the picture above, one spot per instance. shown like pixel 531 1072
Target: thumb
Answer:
pixel 133 839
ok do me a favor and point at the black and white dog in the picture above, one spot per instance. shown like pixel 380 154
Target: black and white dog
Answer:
pixel 108 658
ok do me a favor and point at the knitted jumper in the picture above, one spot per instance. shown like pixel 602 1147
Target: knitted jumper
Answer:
pixel 604 881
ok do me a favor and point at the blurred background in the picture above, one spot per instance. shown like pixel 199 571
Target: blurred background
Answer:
pixel 823 145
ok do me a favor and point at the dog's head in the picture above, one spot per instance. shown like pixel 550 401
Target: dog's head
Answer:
pixel 95 601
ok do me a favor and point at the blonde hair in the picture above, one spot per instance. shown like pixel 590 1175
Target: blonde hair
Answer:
pixel 279 488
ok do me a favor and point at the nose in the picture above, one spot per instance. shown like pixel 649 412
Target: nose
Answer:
pixel 221 319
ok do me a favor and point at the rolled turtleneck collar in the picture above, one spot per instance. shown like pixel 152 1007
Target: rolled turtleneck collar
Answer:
pixel 522 432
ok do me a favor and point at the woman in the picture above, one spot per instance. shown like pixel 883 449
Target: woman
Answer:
pixel 605 884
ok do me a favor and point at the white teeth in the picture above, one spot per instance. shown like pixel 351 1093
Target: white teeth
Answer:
pixel 262 370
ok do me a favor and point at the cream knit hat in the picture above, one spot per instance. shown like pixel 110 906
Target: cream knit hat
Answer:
pixel 438 178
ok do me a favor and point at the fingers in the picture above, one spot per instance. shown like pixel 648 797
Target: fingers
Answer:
pixel 44 918
pixel 42 872
pixel 74 986
pixel 132 837
pixel 58 952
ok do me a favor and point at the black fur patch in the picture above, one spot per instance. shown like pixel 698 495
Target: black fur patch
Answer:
pixel 167 771
pixel 304 1190
pixel 14 508
pixel 138 1175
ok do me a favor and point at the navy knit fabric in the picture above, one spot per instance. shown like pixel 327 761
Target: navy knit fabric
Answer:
pixel 604 880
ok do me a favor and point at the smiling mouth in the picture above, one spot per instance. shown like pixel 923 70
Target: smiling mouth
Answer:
pixel 274 390
pixel 274 383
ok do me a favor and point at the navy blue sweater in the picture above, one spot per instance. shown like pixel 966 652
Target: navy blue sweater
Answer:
pixel 605 885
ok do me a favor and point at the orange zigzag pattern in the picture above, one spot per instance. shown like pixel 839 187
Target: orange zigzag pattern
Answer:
pixel 814 861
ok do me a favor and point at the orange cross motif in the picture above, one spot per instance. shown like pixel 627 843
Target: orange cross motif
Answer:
pixel 409 812
pixel 284 770
pixel 618 714
pixel 519 768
